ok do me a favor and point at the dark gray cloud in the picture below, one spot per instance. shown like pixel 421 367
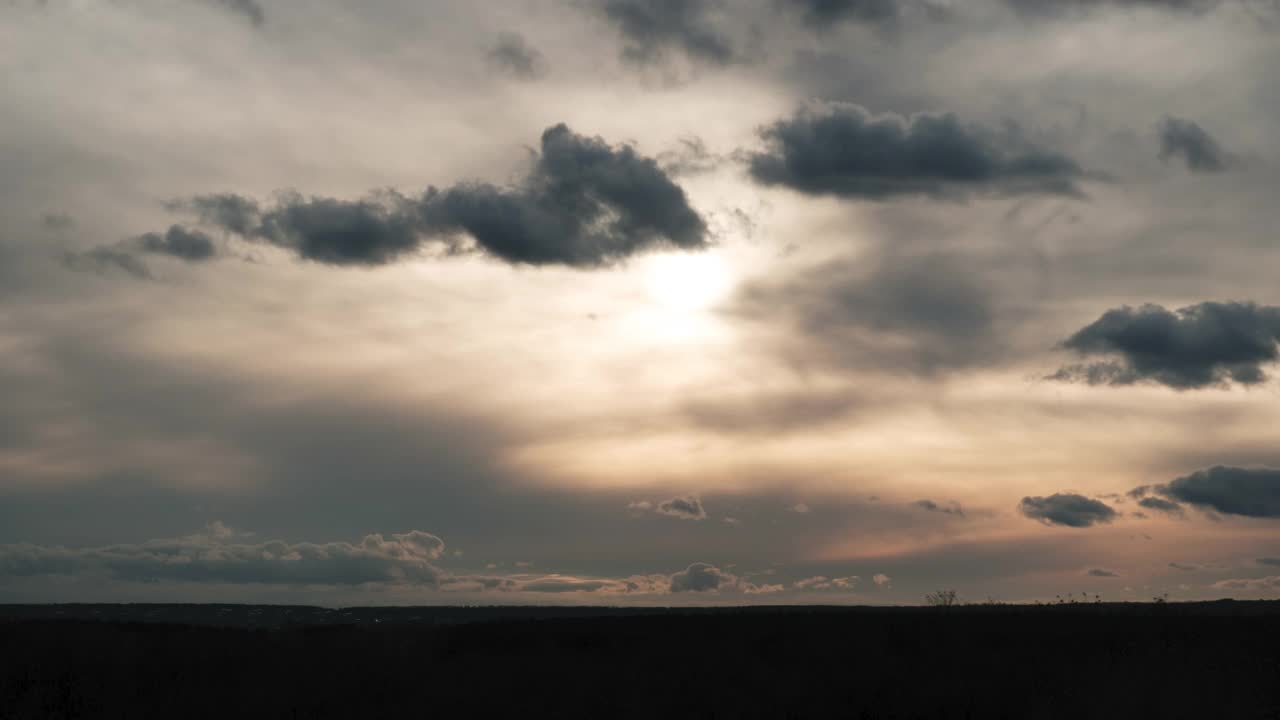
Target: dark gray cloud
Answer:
pixel 1228 490
pixel 231 212
pixel 1067 509
pixel 374 231
pixel 685 508
pixel 1184 567
pixel 823 13
pixel 248 8
pixel 1168 507
pixel 1205 345
pixel 921 314
pixel 951 508
pixel 513 55
pixel 701 577
pixel 1102 573
pixel 844 150
pixel 216 558
pixel 1181 138
pixel 1269 561
pixel 653 28
pixel 584 203
pixel 180 242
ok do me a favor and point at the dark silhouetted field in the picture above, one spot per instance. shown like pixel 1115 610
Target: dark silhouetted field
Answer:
pixel 1203 661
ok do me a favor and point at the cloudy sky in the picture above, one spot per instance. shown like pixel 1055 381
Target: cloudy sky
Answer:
pixel 652 302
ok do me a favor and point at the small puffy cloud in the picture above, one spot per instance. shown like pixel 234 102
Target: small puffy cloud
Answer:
pixel 701 577
pixel 882 580
pixel 800 508
pixel 1101 573
pixel 179 242
pixel 685 508
pixel 1067 509
pixel 513 55
pixel 846 151
pixel 951 508
pixel 1208 345
pixel 821 582
pixel 753 589
pixel 1168 507
pixel 1180 138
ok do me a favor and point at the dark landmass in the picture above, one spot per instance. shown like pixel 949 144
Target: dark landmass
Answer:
pixel 1129 660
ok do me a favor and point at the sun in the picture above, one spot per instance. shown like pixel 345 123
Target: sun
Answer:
pixel 687 281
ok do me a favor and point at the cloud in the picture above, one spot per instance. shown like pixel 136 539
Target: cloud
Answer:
pixel 217 558
pixel 584 203
pixel 1269 561
pixel 108 257
pixel 952 508
pixel 822 582
pixel 653 28
pixel 800 508
pixel 1270 583
pixel 1102 573
pixel 900 312
pixel 690 157
pixel 701 577
pixel 57 221
pixel 564 585
pixel 822 13
pixel 1228 490
pixel 1207 345
pixel 1184 567
pixel 881 580
pixel 1185 139
pixel 179 242
pixel 1167 507
pixel 846 151
pixel 248 8
pixel 685 508
pixel 1057 7
pixel 1067 509
pixel 514 56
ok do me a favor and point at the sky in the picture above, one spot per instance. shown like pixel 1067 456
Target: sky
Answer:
pixel 638 302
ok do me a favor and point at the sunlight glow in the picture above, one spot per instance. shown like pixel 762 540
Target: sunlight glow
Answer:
pixel 687 282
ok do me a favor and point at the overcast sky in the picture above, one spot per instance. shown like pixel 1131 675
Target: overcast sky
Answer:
pixel 652 302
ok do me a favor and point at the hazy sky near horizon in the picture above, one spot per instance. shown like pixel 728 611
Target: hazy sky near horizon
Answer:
pixel 638 301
